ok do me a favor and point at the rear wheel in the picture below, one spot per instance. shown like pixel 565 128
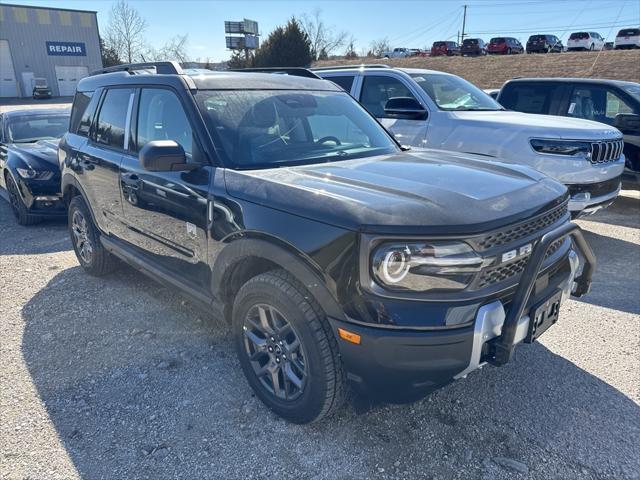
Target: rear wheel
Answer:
pixel 19 209
pixel 286 348
pixel 85 237
pixel 508 51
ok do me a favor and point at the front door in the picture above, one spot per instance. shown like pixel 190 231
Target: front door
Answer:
pixel 375 92
pixel 166 212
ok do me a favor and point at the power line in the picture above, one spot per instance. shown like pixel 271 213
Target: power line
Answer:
pixel 555 27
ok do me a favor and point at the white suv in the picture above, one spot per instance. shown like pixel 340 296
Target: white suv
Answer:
pixel 628 38
pixel 585 41
pixel 425 108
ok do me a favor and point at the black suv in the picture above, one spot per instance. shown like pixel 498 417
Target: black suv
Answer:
pixel 613 102
pixel 278 202
pixel 544 44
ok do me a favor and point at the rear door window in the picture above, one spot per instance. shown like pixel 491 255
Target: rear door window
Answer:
pixel 377 90
pixel 343 81
pixel 598 103
pixel 112 119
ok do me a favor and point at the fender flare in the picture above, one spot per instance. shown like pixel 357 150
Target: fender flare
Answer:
pixel 282 254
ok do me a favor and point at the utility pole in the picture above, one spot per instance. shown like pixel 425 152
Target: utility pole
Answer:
pixel 464 21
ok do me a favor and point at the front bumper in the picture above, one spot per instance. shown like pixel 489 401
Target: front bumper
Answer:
pixel 395 364
pixel 589 198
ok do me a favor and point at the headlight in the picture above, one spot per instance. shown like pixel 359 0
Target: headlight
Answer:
pixel 32 174
pixel 562 147
pixel 424 266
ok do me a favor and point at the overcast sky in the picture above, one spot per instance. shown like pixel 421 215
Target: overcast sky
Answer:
pixel 406 23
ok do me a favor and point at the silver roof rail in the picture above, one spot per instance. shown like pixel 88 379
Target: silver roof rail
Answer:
pixel 347 67
pixel 166 68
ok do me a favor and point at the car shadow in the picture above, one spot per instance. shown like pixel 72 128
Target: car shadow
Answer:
pixel 47 236
pixel 140 384
pixel 617 273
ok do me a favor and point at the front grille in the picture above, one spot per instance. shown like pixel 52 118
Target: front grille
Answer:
pixel 606 151
pixel 500 273
pixel 521 230
pixel 596 189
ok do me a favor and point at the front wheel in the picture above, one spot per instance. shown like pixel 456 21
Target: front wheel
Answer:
pixel 19 209
pixel 286 349
pixel 592 47
pixel 85 237
pixel 508 51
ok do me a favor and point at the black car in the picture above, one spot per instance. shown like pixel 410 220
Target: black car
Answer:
pixel 613 102
pixel 339 258
pixel 29 168
pixel 544 44
pixel 41 89
pixel 473 47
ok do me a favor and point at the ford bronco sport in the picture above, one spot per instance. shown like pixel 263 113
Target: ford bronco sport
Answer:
pixel 339 259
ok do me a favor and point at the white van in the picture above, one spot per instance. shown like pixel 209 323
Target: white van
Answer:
pixel 426 108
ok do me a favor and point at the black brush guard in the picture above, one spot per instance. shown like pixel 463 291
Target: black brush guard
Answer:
pixel 504 346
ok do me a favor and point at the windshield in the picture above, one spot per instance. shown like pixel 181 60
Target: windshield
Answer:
pixel 273 128
pixel 454 93
pixel 32 128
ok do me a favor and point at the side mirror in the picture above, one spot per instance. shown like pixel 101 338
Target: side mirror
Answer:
pixel 627 122
pixel 164 156
pixel 405 107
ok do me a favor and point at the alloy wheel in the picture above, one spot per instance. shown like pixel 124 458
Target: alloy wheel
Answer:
pixel 14 198
pixel 275 352
pixel 80 230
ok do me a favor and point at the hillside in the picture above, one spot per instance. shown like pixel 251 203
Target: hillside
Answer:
pixel 493 71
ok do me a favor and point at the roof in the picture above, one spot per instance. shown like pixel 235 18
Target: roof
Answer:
pixel 47 8
pixel 376 68
pixel 210 81
pixel 603 81
pixel 27 112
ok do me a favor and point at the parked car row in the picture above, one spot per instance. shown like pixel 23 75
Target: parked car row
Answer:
pixel 539 43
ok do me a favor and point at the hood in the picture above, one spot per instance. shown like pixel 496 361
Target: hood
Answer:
pixel 544 126
pixel 40 155
pixel 428 191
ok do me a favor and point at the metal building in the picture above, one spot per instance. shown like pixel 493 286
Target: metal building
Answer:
pixel 57 44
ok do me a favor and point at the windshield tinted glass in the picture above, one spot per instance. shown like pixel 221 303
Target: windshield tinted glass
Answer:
pixel 454 93
pixel 264 129
pixel 32 128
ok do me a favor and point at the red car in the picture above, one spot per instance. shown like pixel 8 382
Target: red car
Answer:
pixel 505 46
pixel 445 48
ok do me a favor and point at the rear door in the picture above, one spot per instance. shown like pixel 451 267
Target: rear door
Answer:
pixel 99 158
pixel 166 212
pixel 379 87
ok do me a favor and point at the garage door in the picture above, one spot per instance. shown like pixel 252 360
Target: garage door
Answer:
pixel 8 84
pixel 68 78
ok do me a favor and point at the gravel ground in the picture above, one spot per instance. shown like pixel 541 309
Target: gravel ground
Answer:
pixel 120 378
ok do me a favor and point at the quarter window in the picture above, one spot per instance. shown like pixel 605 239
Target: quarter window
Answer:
pixel 112 120
pixel 377 90
pixel 80 104
pixel 343 81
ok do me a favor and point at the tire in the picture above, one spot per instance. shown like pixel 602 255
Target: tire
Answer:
pixel 85 237
pixel 19 209
pixel 508 51
pixel 276 299
pixel 592 47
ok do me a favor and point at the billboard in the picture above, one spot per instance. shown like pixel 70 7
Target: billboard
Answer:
pixel 241 35
pixel 250 26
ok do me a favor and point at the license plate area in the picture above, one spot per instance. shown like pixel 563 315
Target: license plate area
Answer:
pixel 543 315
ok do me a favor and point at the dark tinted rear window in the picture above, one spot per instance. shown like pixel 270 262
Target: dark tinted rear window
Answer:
pixel 470 41
pixel 112 117
pixel 439 44
pixel 629 32
pixel 80 103
pixel 528 97
pixel 344 81
pixel 579 36
pixel 498 40
pixel 537 38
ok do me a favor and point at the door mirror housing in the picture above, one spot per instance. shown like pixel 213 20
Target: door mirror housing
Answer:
pixel 405 107
pixel 627 122
pixel 164 156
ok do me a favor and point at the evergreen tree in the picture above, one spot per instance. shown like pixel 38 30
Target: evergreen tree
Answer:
pixel 286 46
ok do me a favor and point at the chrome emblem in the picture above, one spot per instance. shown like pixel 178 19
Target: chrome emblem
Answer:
pixel 517 253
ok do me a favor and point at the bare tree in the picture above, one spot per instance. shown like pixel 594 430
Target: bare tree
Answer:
pixel 125 32
pixel 175 49
pixel 378 47
pixel 350 52
pixel 322 38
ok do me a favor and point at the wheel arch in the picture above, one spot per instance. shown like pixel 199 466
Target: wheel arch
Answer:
pixel 243 257
pixel 70 188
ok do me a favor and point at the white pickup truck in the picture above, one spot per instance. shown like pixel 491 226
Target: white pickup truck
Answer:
pixel 400 53
pixel 425 108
